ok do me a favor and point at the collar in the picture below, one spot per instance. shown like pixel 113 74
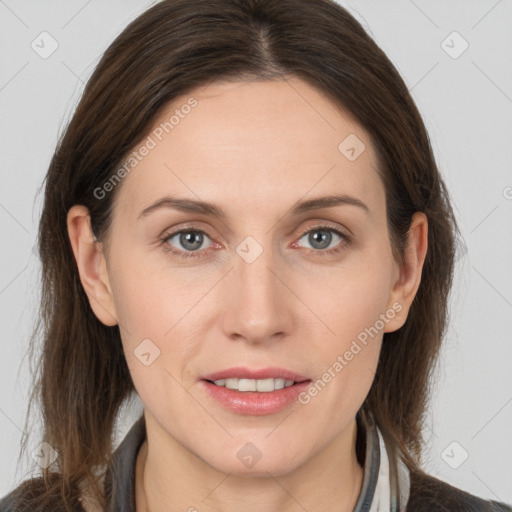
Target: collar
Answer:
pixel 385 486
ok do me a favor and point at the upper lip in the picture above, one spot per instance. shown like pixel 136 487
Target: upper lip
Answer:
pixel 240 372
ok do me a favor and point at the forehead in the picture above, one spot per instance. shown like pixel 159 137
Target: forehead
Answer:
pixel 254 145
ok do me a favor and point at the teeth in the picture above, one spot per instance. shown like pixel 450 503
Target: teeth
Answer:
pixel 279 383
pixel 261 385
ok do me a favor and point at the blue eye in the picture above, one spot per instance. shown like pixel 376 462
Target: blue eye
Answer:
pixel 192 240
pixel 322 242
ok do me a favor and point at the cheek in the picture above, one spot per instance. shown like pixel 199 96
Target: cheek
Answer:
pixel 150 298
pixel 158 323
pixel 352 307
pixel 346 301
pixel 139 304
pixel 155 339
pixel 346 366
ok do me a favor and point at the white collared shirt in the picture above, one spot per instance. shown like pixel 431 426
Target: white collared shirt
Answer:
pixel 384 488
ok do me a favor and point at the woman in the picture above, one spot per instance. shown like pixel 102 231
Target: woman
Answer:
pixel 181 260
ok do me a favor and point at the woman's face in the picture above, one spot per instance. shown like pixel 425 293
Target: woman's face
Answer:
pixel 295 293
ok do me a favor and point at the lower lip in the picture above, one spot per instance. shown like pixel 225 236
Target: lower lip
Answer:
pixel 255 403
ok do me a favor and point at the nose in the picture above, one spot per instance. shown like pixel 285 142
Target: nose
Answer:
pixel 259 303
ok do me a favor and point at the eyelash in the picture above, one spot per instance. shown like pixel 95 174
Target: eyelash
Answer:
pixel 345 241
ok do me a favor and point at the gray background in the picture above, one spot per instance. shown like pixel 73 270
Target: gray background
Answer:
pixel 466 103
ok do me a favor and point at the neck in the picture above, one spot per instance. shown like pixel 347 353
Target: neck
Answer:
pixel 172 478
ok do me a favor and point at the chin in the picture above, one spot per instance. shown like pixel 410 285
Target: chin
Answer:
pixel 246 460
pixel 275 468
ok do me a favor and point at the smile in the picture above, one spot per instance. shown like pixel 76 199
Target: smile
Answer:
pixel 259 385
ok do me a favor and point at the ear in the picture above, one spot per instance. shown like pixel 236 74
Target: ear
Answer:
pixel 409 272
pixel 91 264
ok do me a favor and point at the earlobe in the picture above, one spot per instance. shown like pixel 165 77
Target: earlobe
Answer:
pixel 409 276
pixel 91 265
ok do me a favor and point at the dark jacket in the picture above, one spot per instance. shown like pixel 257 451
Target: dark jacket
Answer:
pixel 427 494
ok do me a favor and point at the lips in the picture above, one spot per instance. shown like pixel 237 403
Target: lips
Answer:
pixel 240 372
pixel 254 392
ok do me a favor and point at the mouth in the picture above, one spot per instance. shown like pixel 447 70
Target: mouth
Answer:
pixel 255 392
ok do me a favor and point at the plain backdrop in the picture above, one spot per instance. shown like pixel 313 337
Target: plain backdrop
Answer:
pixel 455 58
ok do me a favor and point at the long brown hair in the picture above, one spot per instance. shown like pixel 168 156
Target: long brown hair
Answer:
pixel 82 378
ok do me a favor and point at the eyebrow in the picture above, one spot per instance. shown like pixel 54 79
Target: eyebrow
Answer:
pixel 192 205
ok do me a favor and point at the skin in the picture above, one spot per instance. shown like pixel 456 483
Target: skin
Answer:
pixel 254 149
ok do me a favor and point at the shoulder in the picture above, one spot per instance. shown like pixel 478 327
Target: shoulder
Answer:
pixel 430 494
pixel 29 496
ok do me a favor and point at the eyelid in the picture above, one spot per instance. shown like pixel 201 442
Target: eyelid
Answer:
pixel 187 226
pixel 320 224
pixel 325 224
